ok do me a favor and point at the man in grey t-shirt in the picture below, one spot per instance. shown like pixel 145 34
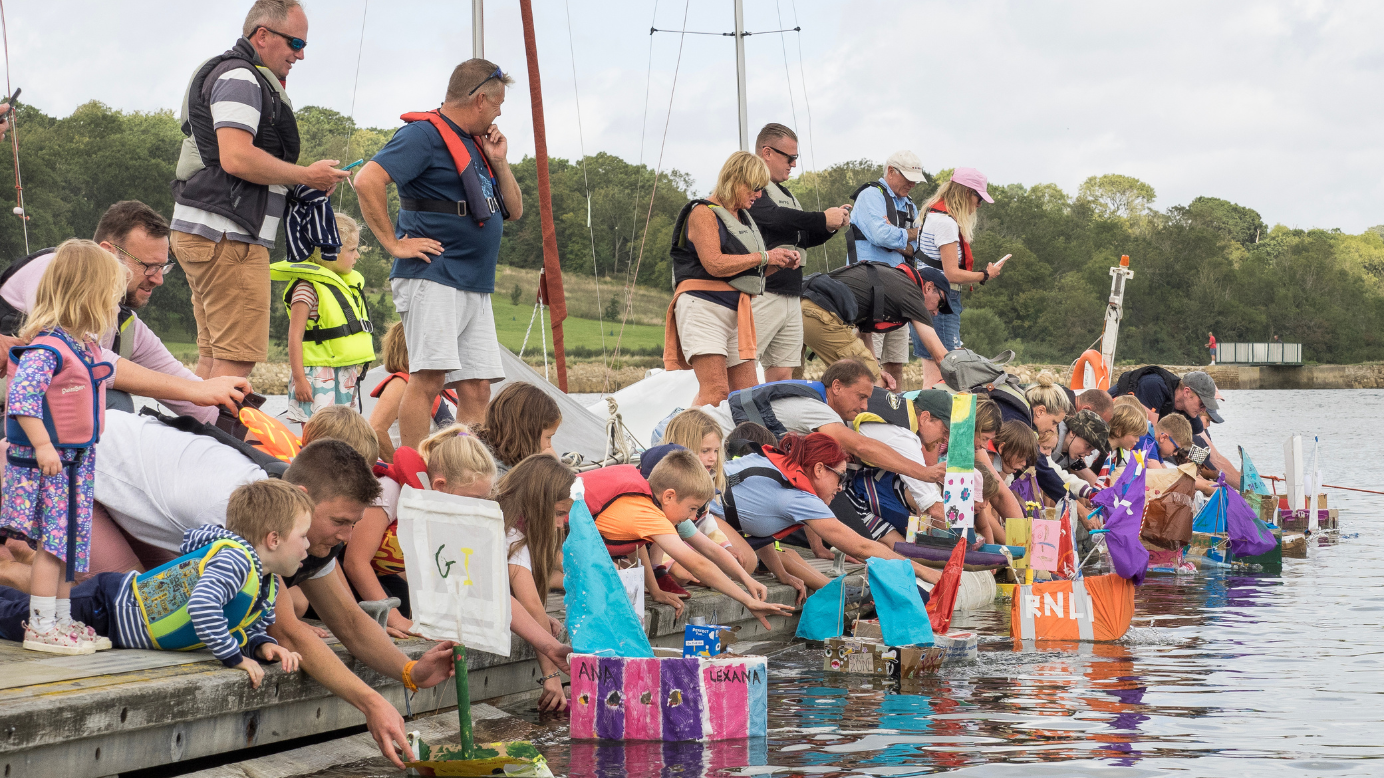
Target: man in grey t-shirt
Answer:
pixel 847 385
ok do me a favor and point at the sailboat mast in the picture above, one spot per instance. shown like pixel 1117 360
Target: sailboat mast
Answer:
pixel 478 29
pixel 550 282
pixel 740 74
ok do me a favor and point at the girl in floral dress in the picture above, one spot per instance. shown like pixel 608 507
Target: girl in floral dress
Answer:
pixel 55 412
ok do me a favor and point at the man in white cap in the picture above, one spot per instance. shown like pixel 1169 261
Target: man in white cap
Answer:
pixel 884 228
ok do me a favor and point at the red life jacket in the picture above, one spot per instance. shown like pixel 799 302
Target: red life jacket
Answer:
pixel 607 484
pixel 449 395
pixel 74 407
pixel 479 207
pixel 604 486
pixel 794 473
pixel 967 261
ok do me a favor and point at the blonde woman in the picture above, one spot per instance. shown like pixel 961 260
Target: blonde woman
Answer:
pixel 945 243
pixel 697 432
pixel 719 263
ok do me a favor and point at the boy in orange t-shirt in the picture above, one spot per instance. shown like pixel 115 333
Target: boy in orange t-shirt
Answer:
pixel 681 486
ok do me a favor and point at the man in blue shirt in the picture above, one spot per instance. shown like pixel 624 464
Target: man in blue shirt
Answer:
pixel 455 191
pixel 884 228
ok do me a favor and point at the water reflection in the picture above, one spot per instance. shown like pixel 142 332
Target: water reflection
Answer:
pixel 1222 674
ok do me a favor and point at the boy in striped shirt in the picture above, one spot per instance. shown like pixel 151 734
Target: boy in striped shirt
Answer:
pixel 219 594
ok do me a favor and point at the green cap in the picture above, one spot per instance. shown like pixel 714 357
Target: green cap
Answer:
pixel 936 402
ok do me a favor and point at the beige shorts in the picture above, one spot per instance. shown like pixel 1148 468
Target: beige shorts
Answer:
pixel 832 339
pixel 893 347
pixel 230 295
pixel 778 326
pixel 707 328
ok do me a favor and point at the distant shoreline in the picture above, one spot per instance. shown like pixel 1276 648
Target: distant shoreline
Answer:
pixel 588 376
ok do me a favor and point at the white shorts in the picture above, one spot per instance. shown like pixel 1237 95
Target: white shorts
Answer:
pixel 892 347
pixel 448 329
pixel 707 328
pixel 778 326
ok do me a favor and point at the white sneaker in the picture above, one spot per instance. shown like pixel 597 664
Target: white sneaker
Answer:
pixel 57 641
pixel 88 635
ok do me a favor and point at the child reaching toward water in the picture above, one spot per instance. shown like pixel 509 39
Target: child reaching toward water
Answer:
pixel 697 432
pixel 329 340
pixel 535 498
pixel 219 594
pixel 55 413
pixel 453 461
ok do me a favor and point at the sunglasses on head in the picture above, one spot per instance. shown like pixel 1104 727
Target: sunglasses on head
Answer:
pixel 498 74
pixel 297 44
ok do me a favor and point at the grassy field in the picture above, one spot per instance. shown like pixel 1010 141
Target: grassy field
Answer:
pixel 648 306
pixel 582 336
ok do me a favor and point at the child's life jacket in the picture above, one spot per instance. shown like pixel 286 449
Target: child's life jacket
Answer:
pixel 75 403
pixel 408 469
pixel 163 593
pixel 441 416
pixel 604 486
pixel 341 335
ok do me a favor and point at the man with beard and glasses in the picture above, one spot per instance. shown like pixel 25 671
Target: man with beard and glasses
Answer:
pixel 137 236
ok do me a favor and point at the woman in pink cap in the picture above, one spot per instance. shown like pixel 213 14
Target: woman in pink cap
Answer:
pixel 945 243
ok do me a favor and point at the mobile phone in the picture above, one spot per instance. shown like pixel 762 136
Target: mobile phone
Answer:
pixel 354 165
pixel 1004 259
pixel 13 99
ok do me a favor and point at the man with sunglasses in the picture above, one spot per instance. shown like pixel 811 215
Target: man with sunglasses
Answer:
pixel 456 190
pixel 783 223
pixel 137 236
pixel 236 165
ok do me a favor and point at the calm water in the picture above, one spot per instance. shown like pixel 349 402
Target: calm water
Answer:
pixel 1238 675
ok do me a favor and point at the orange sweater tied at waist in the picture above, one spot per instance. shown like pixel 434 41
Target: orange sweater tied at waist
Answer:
pixel 744 323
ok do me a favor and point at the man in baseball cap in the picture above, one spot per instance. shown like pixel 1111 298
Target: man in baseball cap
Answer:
pixel 884 228
pixel 1203 387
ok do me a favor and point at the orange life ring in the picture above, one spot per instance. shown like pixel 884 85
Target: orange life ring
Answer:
pixel 1092 358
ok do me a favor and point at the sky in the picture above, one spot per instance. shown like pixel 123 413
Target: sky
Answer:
pixel 1269 104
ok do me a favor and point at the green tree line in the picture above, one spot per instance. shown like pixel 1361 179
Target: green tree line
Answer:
pixel 1207 266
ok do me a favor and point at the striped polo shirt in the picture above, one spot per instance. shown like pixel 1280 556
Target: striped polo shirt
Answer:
pixel 235 102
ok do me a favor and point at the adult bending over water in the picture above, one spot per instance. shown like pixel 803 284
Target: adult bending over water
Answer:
pixel 158 481
pixel 770 495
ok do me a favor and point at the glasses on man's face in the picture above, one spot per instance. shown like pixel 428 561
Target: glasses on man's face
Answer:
pixel 792 158
pixel 149 270
pixel 297 44
pixel 497 74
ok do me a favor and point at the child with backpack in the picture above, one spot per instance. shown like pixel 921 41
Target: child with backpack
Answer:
pixel 55 413
pixel 329 330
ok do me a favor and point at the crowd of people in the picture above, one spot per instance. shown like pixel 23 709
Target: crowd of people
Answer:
pixel 103 507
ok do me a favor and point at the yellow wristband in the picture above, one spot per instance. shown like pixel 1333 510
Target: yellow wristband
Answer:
pixel 408 677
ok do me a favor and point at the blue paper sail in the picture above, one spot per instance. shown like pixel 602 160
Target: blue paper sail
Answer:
pixel 823 612
pixel 1249 475
pixel 903 618
pixel 599 616
pixel 1212 517
pixel 1123 504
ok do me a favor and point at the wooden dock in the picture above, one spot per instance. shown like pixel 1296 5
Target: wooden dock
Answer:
pixel 123 710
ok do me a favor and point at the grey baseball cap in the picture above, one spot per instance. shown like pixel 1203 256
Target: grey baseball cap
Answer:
pixel 1201 383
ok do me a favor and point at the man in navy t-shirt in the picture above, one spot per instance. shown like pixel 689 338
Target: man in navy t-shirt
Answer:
pixel 455 192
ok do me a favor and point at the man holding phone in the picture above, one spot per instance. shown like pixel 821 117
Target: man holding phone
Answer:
pixel 237 162
pixel 778 318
